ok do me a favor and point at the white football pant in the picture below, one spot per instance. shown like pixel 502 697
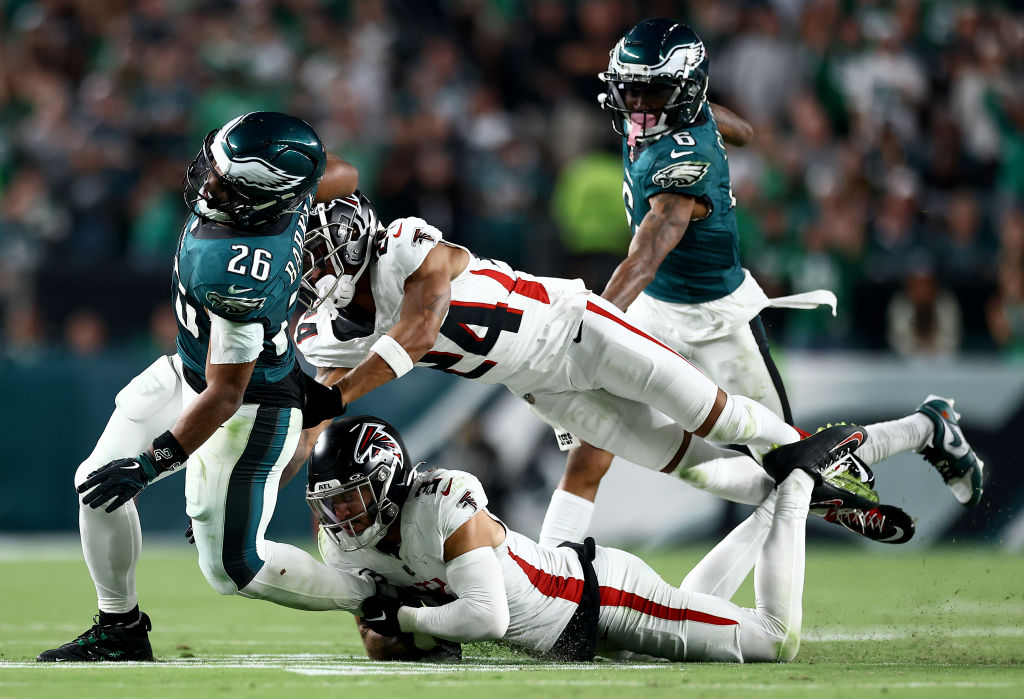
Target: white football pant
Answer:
pixel 231 488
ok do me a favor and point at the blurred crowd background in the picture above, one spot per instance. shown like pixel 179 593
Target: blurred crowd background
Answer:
pixel 887 163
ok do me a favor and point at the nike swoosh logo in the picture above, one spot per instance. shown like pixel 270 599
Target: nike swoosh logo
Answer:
pixel 897 535
pixel 680 154
pixel 232 289
pixel 447 488
pixel 952 438
pixel 855 437
pixel 128 468
pixel 398 232
pixel 382 617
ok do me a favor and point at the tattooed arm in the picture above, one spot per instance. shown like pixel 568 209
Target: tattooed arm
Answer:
pixel 428 291
pixel 660 231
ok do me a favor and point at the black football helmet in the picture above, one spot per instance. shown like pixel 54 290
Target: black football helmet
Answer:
pixel 358 478
pixel 262 165
pixel 660 57
pixel 339 241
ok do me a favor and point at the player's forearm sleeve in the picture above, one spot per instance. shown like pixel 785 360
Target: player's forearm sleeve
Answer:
pixel 481 611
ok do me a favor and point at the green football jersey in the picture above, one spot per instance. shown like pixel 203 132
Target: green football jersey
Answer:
pixel 689 160
pixel 244 276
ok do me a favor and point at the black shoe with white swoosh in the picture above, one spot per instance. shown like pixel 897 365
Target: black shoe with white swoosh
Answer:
pixel 886 524
pixel 105 643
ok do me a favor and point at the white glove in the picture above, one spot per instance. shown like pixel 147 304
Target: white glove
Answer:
pixel 334 291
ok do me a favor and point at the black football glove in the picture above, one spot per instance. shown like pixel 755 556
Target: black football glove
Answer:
pixel 381 614
pixel 190 535
pixel 122 479
pixel 119 481
pixel 319 402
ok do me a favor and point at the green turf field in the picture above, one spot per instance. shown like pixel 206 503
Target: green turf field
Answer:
pixel 877 622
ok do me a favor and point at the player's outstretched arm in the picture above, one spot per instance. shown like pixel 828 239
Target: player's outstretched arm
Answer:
pixel 735 130
pixel 660 231
pixel 428 291
pixel 340 180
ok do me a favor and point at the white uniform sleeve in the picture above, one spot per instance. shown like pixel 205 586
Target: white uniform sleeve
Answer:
pixel 234 343
pixel 408 242
pixel 315 338
pixel 355 577
pixel 481 611
pixel 459 498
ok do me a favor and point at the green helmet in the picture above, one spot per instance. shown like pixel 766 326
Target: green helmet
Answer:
pixel 255 168
pixel 659 56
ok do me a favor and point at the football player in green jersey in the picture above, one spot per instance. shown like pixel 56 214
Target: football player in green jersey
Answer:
pixel 232 401
pixel 682 279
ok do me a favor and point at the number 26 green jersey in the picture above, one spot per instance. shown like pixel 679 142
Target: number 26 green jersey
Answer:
pixel 244 276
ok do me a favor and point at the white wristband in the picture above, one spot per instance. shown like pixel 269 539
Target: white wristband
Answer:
pixel 393 354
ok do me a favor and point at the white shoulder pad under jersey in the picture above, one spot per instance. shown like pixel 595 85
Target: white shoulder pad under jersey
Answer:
pixel 327 340
pixel 400 252
pixel 441 501
pixel 330 339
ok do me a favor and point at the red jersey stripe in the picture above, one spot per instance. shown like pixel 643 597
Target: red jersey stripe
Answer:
pixel 532 290
pixel 611 597
pixel 591 306
pixel 548 584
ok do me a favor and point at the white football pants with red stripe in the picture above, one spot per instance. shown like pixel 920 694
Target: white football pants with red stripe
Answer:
pixel 627 392
pixel 642 613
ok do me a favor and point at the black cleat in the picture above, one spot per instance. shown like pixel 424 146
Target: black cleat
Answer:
pixel 845 484
pixel 105 643
pixel 885 524
pixel 814 454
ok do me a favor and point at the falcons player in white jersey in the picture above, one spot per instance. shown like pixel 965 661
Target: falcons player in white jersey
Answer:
pixel 568 353
pixel 431 562
pixel 383 301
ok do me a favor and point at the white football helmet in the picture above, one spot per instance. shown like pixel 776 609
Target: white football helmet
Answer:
pixel 337 248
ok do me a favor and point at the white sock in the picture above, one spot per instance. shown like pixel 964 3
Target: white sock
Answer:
pixel 745 421
pixel 293 578
pixel 112 543
pixel 779 573
pixel 723 570
pixel 567 519
pixel 727 473
pixel 911 433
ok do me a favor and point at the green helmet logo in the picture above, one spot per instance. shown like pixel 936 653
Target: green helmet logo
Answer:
pixel 255 168
pixel 657 56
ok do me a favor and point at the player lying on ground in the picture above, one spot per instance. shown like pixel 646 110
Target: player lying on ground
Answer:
pixel 384 300
pixel 393 531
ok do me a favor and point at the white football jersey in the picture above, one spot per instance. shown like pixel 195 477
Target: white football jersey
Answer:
pixel 502 326
pixel 439 502
pixel 543 586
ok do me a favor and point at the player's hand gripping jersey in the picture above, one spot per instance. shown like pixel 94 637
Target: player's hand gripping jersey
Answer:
pixel 690 160
pixel 242 276
pixel 502 326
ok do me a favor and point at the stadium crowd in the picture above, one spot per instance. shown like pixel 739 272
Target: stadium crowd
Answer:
pixel 887 163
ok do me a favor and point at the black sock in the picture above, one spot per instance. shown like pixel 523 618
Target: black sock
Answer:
pixel 111 618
